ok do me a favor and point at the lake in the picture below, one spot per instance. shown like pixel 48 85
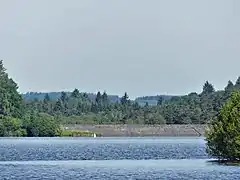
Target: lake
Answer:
pixel 109 158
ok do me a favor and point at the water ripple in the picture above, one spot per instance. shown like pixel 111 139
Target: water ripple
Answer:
pixel 109 158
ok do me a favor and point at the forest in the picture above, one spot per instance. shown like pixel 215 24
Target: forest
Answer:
pixel 77 108
pixel 43 116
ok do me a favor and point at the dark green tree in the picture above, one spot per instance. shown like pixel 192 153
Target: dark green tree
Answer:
pixel 41 125
pixel 146 105
pixel 85 96
pixel 223 135
pixel 11 102
pixel 105 98
pixel 58 108
pixel 75 93
pixel 46 103
pixel 46 98
pixel 64 97
pixel 125 99
pixel 98 98
pixel 229 86
pixel 207 88
pixel 11 127
pixel 160 101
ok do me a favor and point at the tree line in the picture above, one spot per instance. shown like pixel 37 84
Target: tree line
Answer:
pixel 43 117
pixel 77 108
pixel 15 118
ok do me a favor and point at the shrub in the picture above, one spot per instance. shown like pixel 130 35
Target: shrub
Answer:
pixel 76 133
pixel 10 126
pixel 223 134
pixel 42 125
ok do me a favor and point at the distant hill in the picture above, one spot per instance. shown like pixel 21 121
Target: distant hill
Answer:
pixel 56 95
pixel 151 100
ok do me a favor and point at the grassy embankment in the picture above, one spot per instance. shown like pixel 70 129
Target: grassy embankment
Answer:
pixel 128 130
pixel 77 133
pixel 65 132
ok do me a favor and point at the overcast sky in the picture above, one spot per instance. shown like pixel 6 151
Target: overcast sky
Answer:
pixel 144 47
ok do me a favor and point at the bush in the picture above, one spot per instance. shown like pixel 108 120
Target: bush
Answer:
pixel 223 135
pixel 41 125
pixel 21 133
pixel 11 127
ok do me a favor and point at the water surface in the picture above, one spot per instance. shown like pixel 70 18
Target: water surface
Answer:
pixel 109 158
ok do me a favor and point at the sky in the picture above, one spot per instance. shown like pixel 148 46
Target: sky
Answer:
pixel 136 46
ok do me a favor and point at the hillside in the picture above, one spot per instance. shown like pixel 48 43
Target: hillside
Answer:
pixel 56 95
pixel 151 100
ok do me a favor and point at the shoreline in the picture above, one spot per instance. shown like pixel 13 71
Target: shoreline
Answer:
pixel 136 130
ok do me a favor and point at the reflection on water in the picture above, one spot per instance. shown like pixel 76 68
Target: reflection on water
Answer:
pixel 109 158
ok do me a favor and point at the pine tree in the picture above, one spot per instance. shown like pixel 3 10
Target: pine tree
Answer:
pixel 46 103
pixel 125 99
pixel 160 101
pixel 229 86
pixel 146 104
pixel 64 97
pixel 58 106
pixel 85 96
pixel 98 98
pixel 46 98
pixel 104 98
pixel 207 88
pixel 75 93
pixel 237 84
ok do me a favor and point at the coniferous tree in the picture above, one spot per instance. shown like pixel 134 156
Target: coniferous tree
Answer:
pixel 160 101
pixel 207 88
pixel 85 96
pixel 46 103
pixel 98 98
pixel 237 84
pixel 229 86
pixel 125 99
pixel 104 98
pixel 75 93
pixel 11 102
pixel 64 97
pixel 58 108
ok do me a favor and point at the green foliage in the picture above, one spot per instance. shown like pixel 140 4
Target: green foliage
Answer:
pixel 229 86
pixel 160 101
pixel 19 119
pixel 208 88
pixel 76 133
pixel 42 117
pixel 11 127
pixel 77 108
pixel 125 99
pixel 237 84
pixel 75 94
pixel 223 135
pixel 41 124
pixel 11 102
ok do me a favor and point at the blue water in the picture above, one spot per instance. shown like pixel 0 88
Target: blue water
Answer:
pixel 109 158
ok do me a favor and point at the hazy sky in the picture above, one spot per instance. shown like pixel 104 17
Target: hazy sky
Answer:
pixel 144 47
